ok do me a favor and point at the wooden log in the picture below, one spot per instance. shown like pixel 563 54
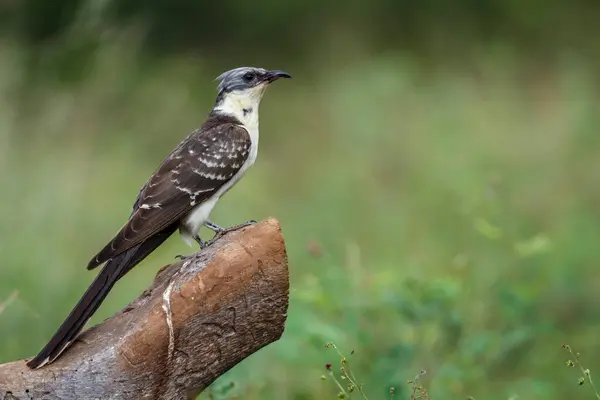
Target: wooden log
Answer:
pixel 200 317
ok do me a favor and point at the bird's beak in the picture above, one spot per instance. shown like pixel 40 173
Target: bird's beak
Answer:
pixel 273 75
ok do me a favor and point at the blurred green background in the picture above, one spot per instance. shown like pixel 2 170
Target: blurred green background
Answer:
pixel 435 166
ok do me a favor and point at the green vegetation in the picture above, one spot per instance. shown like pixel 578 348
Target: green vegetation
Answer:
pixel 437 218
pixel 576 363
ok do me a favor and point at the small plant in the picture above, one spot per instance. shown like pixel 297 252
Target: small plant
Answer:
pixel 576 362
pixel 418 391
pixel 348 384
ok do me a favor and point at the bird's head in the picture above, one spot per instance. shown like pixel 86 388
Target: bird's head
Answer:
pixel 244 87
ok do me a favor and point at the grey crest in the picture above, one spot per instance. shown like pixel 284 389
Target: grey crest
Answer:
pixel 240 78
pixel 243 78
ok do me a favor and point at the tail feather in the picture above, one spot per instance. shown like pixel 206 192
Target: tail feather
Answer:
pixel 112 271
pixel 148 247
pixel 83 311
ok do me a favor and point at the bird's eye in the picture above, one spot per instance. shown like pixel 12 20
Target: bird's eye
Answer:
pixel 248 77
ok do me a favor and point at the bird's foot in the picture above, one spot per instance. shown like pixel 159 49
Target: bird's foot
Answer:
pixel 219 231
pixel 200 242
pixel 203 244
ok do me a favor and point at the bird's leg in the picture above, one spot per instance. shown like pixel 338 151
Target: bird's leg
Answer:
pixel 213 227
pixel 200 242
pixel 219 231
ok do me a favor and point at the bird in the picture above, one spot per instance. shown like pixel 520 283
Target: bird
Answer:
pixel 179 195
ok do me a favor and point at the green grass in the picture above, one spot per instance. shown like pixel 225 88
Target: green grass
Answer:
pixel 457 214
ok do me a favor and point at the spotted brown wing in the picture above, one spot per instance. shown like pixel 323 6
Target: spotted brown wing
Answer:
pixel 194 171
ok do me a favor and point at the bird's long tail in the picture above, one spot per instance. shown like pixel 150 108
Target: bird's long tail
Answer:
pixel 112 271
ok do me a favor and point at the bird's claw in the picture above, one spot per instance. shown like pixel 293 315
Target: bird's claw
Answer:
pixel 214 239
pixel 239 226
pixel 222 231
pixel 218 233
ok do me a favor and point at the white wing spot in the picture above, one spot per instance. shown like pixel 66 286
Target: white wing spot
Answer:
pixel 206 162
pixel 210 175
pixel 202 191
pixel 183 189
pixel 150 206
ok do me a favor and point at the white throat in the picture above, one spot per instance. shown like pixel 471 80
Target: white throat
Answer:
pixel 243 105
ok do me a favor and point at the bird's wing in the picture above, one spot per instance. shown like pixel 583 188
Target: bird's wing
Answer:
pixel 194 171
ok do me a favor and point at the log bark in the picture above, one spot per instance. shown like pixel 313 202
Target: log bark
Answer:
pixel 200 317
